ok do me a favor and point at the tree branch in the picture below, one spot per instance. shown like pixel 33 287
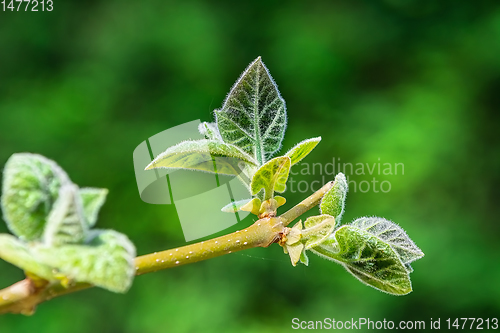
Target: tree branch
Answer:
pixel 306 204
pixel 23 296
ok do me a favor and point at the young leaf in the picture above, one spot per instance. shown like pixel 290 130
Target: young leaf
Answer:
pixel 293 246
pixel 106 260
pixel 248 205
pixel 280 201
pixel 66 222
pixel 253 206
pixel 302 149
pixel 210 131
pixel 392 234
pixel 333 202
pixel 197 155
pixel 318 228
pixel 369 259
pixel 92 201
pixel 30 187
pixel 17 253
pixel 304 258
pixel 253 116
pixel 295 234
pixel 271 177
pixel 295 252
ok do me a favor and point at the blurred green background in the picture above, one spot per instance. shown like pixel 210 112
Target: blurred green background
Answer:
pixel 406 81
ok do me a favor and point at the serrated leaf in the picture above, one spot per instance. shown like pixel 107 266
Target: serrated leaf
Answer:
pixel 369 259
pixel 92 201
pixel 197 155
pixel 210 131
pixel 271 177
pixel 66 223
pixel 105 260
pixel 253 116
pixel 17 253
pixel 30 188
pixel 333 202
pixel 317 229
pixel 302 149
pixel 393 235
pixel 248 205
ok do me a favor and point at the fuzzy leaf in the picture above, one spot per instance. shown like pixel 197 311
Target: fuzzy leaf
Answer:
pixel 369 259
pixel 105 260
pixel 92 201
pixel 30 188
pixel 392 234
pixel 318 228
pixel 17 253
pixel 210 131
pixel 253 116
pixel 66 222
pixel 302 149
pixel 197 155
pixel 333 202
pixel 271 177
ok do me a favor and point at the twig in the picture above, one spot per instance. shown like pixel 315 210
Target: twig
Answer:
pixel 306 204
pixel 24 296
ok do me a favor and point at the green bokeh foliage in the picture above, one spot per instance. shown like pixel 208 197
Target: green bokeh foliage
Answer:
pixel 413 82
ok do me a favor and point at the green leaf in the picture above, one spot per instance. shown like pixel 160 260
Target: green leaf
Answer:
pixel 248 205
pixel 333 202
pixel 302 149
pixel 17 253
pixel 106 260
pixel 30 188
pixel 271 177
pixel 197 155
pixel 210 131
pixel 317 229
pixel 369 259
pixel 304 258
pixel 92 201
pixel 66 222
pixel 253 116
pixel 392 234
